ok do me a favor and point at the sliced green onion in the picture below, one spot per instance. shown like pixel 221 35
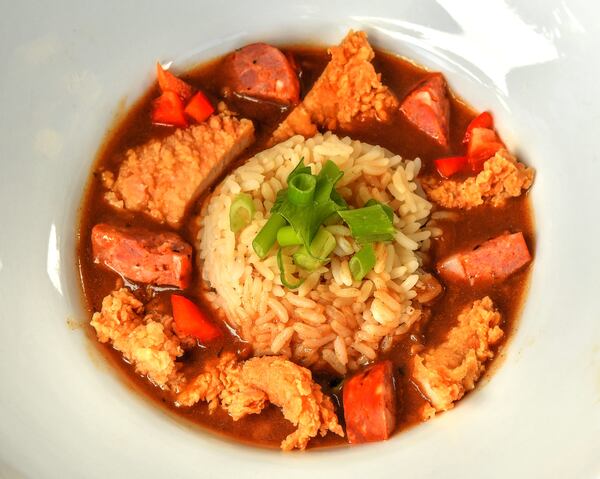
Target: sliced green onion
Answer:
pixel 287 282
pixel 320 249
pixel 388 210
pixel 322 244
pixel 265 239
pixel 279 201
pixel 301 189
pixel 323 190
pixel 330 170
pixel 300 169
pixel 286 236
pixel 241 212
pixel 369 224
pixel 329 175
pixel 334 219
pixel 306 220
pixel 362 262
pixel 338 200
pixel 305 205
pixel 305 261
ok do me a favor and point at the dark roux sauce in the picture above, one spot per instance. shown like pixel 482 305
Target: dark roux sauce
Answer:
pixel 399 136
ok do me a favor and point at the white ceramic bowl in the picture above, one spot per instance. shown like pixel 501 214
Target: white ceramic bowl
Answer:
pixel 70 67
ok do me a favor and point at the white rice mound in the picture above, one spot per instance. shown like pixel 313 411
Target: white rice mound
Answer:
pixel 330 319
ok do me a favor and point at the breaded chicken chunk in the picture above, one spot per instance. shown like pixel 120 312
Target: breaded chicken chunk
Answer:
pixel 162 177
pixel 502 177
pixel 445 373
pixel 147 341
pixel 291 387
pixel 246 388
pixel 207 386
pixel 221 383
pixel 349 89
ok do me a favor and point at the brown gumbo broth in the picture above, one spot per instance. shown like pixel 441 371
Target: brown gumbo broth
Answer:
pixel 399 136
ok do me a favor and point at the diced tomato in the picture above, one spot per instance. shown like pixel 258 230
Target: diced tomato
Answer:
pixel 167 109
pixel 199 107
pixel 191 320
pixel 169 82
pixel 451 165
pixel 370 404
pixel 484 144
pixel 484 120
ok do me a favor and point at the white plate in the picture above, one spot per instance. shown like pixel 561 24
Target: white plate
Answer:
pixel 68 65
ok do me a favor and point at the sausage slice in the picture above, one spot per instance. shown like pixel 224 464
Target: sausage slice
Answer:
pixel 428 108
pixel 262 71
pixel 370 404
pixel 142 255
pixel 493 260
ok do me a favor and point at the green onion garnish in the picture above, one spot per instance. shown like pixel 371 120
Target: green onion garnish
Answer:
pixel 300 210
pixel 300 169
pixel 329 175
pixel 323 244
pixel 287 282
pixel 330 170
pixel 286 236
pixel 306 219
pixel 301 189
pixel 265 239
pixel 362 262
pixel 388 210
pixel 338 200
pixel 304 260
pixel 334 219
pixel 320 249
pixel 241 212
pixel 369 224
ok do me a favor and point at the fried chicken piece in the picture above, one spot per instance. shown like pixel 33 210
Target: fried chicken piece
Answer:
pixel 221 383
pixel 349 89
pixel 205 387
pixel 426 412
pixel 162 177
pixel 240 398
pixel 291 387
pixel 445 373
pixel 502 177
pixel 243 388
pixel 145 340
